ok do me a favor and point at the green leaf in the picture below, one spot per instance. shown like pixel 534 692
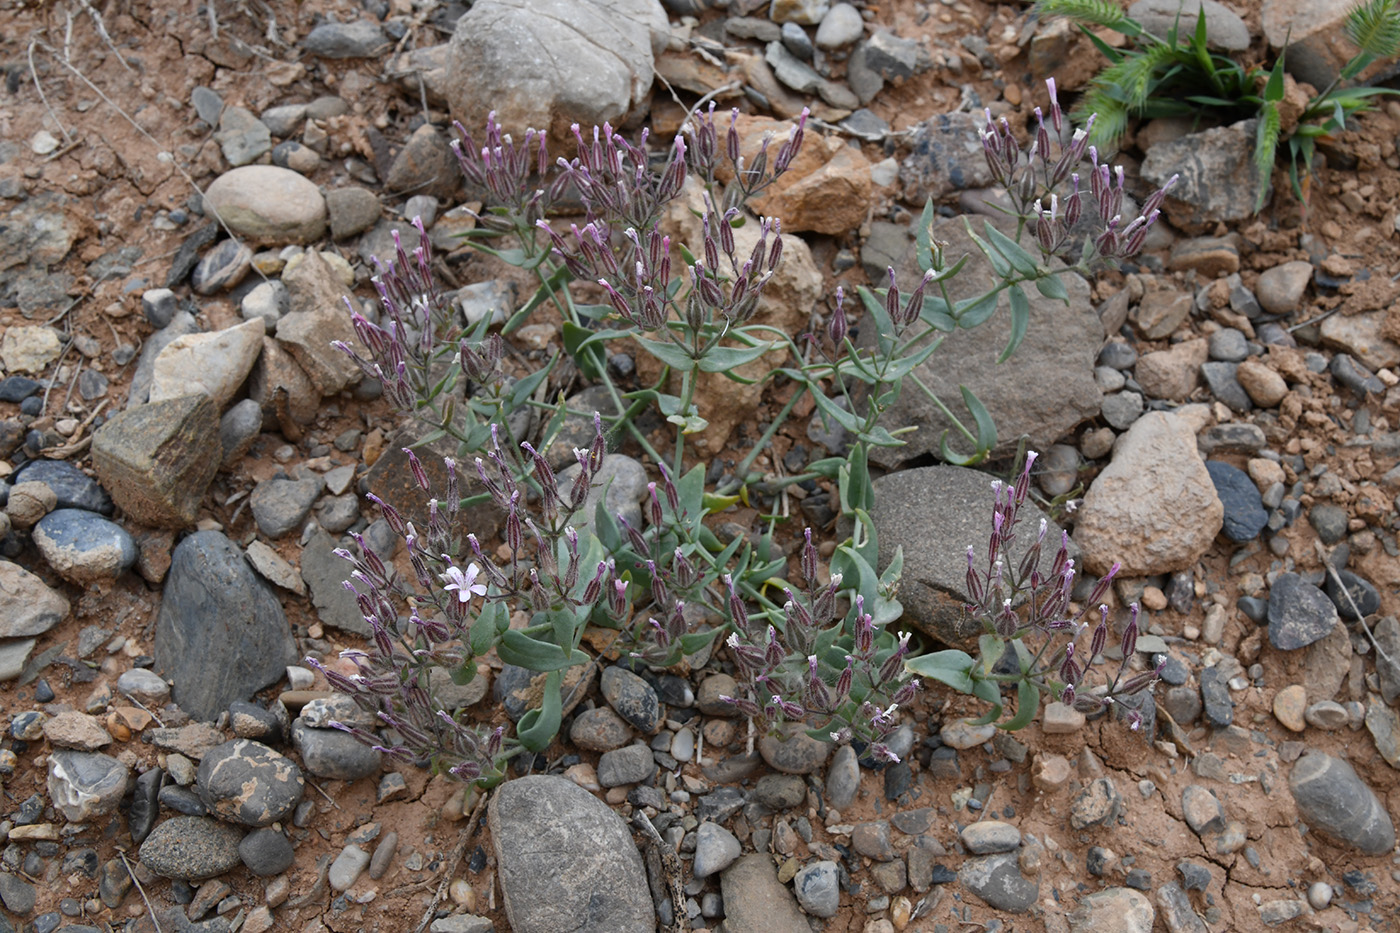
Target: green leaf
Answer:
pixel 538 727
pixel 1000 264
pixel 951 667
pixel 986 432
pixel 691 642
pixel 1027 694
pixel 973 311
pixel 838 414
pixel 523 651
pixel 724 359
pixel 1020 320
pixel 1053 288
pixel 989 691
pixel 934 313
pixel 667 352
pixel 525 388
pixel 587 356
pixel 1022 261
pixel 874 301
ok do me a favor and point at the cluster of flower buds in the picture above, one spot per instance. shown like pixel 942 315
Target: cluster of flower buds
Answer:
pixel 730 295
pixel 1014 597
pixel 415 316
pixel 749 179
pixel 513 176
pixel 904 313
pixel 614 178
pixel 1032 178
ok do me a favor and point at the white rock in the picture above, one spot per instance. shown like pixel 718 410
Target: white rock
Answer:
pixel 268 204
pixel 841 26
pixel 1154 508
pixel 213 364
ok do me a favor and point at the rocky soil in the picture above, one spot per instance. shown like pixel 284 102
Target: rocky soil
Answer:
pixel 182 450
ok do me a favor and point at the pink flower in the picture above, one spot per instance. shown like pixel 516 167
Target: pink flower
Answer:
pixel 463 581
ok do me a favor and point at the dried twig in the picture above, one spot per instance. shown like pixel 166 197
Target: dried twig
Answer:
pixel 670 868
pixel 450 864
pixel 140 890
pixel 1361 620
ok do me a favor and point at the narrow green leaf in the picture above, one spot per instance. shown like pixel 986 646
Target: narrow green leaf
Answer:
pixel 973 311
pixel 951 667
pixel 724 359
pixel 1052 287
pixel 587 356
pixel 1027 694
pixel 538 727
pixel 1265 148
pixel 986 428
pixel 1020 320
pixel 1022 261
pixel 923 243
pixel 667 352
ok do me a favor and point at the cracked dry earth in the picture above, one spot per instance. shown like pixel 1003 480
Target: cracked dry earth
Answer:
pixel 1199 822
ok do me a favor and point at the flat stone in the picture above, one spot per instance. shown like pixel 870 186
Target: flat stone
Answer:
pixel 1289 704
pixel 1215 183
pixel 630 765
pixel 1299 613
pixel 221 634
pixel 796 753
pixel 1201 810
pixel 1244 513
pixel 73 729
pixel 317 320
pixel 333 754
pixel 566 861
pixel 1334 801
pixel 1154 509
pixel 281 505
pixel 997 879
pixel 214 364
pixel 754 899
pixel 324 574
pixel 1224 29
pixel 987 837
pixel 27 605
pixel 1095 805
pixel 361 39
pixel 1113 910
pixel 716 848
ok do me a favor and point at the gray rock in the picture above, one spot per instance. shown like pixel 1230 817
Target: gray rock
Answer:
pixel 143 683
pixel 566 861
pixel 360 39
pixel 754 899
pixel 347 867
pixel 266 852
pixel 1224 29
pixel 325 574
pixel 795 752
pixel 207 105
pixel 331 753
pixel 895 57
pixel 27 605
pixel 550 63
pixel 191 848
pixel 620 485
pixel 1387 633
pixel 818 888
pixel 997 879
pixel 285 119
pixel 1057 356
pixel 630 765
pixel 716 848
pixel 1228 345
pixel 268 204
pixel 843 778
pixel 946 156
pixel 1216 182
pixel 267 300
pixel 1201 810
pixel 1280 288
pixel 72 488
pixel 957 501
pixel 1354 376
pixel 155 459
pixel 220 634
pixel 84 785
pixel 599 730
pixel 281 505
pixel 159 306
pixel 242 137
pixel 462 923
pixel 18 895
pixel 632 698
pixel 1336 803
pixel 222 267
pixel 780 791
pixel 1244 515
pixel 424 164
pixel 238 429
pixel 1299 613
pixel 1097 804
pixel 1224 385
pixel 1121 910
pixel 248 783
pixel 988 837
pixel 14 653
pixel 351 210
pixel 84 547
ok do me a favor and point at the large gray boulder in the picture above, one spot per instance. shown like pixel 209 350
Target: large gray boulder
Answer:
pixel 566 861
pixel 547 64
pixel 1044 391
pixel 221 634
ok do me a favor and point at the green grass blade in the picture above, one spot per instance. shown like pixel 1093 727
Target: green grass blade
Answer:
pixel 1265 148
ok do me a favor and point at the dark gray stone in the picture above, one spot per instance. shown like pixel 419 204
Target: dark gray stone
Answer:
pixel 629 765
pixel 1215 183
pixel 1299 613
pixel 632 698
pixel 1336 803
pixel 1194 876
pixel 73 488
pixel 331 753
pixel 360 39
pixel 945 156
pixel 248 783
pixel 85 785
pixel 818 888
pixel 18 895
pixel 83 546
pixel 1220 377
pixel 221 634
pixel 145 805
pixel 997 879
pixel 1354 376
pixel 281 505
pixel 566 861
pixel 1215 693
pixel 1245 516
pixel 266 852
pixel 325 574
pixel 1362 592
pixel 1329 521
pixel 191 848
